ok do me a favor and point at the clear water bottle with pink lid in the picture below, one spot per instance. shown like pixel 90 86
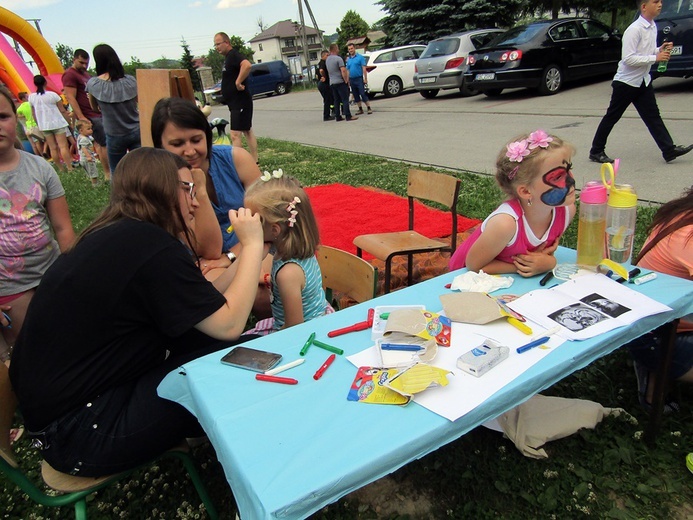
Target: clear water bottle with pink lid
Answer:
pixel 592 224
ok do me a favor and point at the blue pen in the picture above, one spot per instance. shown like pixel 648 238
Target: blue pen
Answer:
pixel 532 344
pixel 396 346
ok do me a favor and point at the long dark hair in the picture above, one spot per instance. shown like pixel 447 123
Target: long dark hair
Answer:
pixel 40 83
pixel 107 61
pixel 184 114
pixel 146 187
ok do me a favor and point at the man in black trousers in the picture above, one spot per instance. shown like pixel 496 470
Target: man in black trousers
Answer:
pixel 633 84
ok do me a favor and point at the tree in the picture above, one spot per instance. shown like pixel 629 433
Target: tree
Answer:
pixel 411 21
pixel 65 55
pixel 165 63
pixel 216 60
pixel 186 62
pixel 351 26
pixel 132 66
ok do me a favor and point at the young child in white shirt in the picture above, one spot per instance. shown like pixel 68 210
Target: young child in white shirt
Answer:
pixel 86 150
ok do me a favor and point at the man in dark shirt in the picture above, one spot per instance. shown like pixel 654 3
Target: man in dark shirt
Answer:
pixel 237 97
pixel 74 82
pixel 324 88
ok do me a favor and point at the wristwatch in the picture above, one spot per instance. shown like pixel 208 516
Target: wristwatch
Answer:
pixel 231 256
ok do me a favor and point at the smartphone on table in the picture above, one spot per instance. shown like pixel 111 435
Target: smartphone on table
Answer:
pixel 251 359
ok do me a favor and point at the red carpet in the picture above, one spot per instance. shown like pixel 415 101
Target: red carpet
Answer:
pixel 344 212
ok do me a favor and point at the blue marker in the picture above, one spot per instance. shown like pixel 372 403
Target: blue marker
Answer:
pixel 532 344
pixel 396 346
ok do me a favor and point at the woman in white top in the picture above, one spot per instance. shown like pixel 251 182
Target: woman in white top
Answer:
pixel 51 117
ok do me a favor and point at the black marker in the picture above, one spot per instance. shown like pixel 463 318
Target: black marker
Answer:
pixel 546 278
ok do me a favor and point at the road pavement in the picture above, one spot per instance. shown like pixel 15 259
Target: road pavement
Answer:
pixel 460 133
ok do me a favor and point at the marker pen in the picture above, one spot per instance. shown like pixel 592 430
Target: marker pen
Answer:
pixel 286 366
pixel 327 347
pixel 546 278
pixel 308 344
pixel 229 229
pixel 320 371
pixel 402 347
pixel 532 344
pixel 276 379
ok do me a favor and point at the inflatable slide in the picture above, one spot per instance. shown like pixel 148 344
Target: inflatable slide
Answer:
pixel 13 71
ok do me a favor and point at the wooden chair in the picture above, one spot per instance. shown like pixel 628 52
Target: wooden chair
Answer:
pixel 75 490
pixel 431 186
pixel 345 273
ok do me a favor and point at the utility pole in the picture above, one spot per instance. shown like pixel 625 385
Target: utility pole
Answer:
pixel 304 40
pixel 315 26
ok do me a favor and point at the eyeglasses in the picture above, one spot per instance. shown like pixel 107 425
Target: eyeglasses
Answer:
pixel 190 188
pixel 219 44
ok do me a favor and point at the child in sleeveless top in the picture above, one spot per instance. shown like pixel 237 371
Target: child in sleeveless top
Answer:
pixel 521 235
pixel 290 226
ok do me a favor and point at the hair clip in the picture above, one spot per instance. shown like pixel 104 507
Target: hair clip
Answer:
pixel 518 150
pixel 513 172
pixel 292 218
pixel 291 208
pixel 292 204
pixel 539 139
pixel 276 174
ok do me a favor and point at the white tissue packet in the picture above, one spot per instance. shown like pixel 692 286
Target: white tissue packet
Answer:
pixel 480 282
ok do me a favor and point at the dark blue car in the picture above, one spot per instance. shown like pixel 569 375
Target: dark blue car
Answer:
pixel 675 24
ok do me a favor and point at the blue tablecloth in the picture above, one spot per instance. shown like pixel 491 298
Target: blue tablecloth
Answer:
pixel 287 451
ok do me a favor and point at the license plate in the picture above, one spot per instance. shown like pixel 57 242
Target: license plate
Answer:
pixel 486 77
pixel 677 50
pixel 430 79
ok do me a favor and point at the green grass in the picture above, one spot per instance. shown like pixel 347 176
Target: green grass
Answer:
pixel 604 473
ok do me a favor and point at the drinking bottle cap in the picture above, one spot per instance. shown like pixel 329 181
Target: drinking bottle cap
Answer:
pixel 622 196
pixel 594 192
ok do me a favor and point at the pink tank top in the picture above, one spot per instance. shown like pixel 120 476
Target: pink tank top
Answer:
pixel 521 244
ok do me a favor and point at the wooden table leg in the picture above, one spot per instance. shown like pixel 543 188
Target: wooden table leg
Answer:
pixel 667 339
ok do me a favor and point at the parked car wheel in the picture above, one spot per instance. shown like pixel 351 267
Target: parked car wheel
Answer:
pixel 393 86
pixel 493 92
pixel 468 91
pixel 429 94
pixel 551 80
pixel 280 88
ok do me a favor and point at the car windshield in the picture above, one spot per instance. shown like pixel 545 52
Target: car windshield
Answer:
pixel 674 7
pixel 441 47
pixel 516 35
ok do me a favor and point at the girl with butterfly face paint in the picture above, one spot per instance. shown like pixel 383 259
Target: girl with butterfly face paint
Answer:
pixel 522 234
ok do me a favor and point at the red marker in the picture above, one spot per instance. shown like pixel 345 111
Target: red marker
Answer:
pixel 276 379
pixel 361 325
pixel 318 374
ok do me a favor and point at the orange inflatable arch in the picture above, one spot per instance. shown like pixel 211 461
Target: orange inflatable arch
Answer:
pixel 13 71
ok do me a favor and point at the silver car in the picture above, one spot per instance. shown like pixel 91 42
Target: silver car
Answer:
pixel 443 63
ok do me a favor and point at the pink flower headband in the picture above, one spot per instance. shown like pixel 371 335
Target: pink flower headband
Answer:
pixel 518 150
pixel 291 208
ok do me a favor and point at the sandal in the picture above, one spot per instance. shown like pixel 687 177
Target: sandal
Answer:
pixel 642 374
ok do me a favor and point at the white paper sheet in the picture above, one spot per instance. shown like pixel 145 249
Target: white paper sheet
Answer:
pixel 464 391
pixel 586 306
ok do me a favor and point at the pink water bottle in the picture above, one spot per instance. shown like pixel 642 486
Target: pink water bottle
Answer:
pixel 592 224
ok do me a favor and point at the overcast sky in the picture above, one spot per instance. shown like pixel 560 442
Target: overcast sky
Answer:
pixel 150 29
